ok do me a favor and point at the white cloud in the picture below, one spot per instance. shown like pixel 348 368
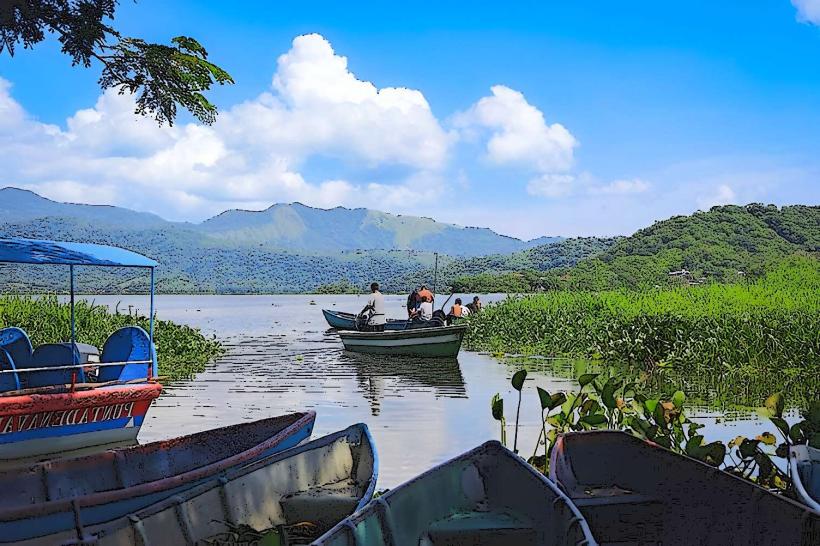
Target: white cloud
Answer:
pixel 723 195
pixel 808 11
pixel 251 156
pixel 551 185
pixel 520 135
pixel 619 187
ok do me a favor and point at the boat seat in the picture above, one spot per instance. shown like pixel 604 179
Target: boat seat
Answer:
pixel 626 517
pixel 16 342
pixel 323 506
pixel 52 354
pixel 8 381
pixel 127 344
pixel 482 529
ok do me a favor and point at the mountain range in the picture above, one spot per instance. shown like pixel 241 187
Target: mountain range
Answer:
pixel 284 248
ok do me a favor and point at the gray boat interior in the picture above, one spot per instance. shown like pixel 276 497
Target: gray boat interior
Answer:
pixel 123 468
pixel 320 482
pixel 632 492
pixel 806 465
pixel 486 497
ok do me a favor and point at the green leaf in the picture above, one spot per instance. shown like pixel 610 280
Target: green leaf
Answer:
pixel 678 398
pixel 497 406
pixel 608 393
pixel 747 448
pixel 544 397
pixel 566 405
pixel 775 404
pixel 557 399
pixel 586 379
pixel 518 379
pixel 715 453
pixel 767 438
pixel 593 419
pixel 781 425
pixel 650 405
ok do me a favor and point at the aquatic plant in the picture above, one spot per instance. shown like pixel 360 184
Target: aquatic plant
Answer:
pixel 182 351
pixel 609 402
pixel 768 327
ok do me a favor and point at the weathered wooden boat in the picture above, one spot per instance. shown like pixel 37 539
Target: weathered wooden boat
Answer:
pixel 804 467
pixel 487 496
pixel 49 400
pixel 347 321
pixel 316 485
pixel 634 492
pixel 45 499
pixel 441 341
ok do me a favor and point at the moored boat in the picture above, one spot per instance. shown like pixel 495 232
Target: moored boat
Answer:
pixel 50 401
pixel 312 487
pixel 440 341
pixel 487 496
pixel 44 499
pixel 347 321
pixel 804 467
pixel 634 492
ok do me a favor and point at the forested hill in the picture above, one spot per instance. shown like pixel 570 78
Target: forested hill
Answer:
pixel 723 244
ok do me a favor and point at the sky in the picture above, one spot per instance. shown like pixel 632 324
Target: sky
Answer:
pixel 531 118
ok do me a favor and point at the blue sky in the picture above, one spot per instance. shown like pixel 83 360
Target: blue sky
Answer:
pixel 542 118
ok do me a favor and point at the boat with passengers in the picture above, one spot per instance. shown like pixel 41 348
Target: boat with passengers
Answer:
pixel 68 396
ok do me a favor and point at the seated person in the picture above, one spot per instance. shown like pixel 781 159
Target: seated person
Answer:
pixel 426 309
pixel 458 310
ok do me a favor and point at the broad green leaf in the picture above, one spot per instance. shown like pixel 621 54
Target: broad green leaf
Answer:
pixel 693 446
pixel 557 399
pixel 775 404
pixel 497 406
pixel 781 424
pixel 715 453
pixel 518 379
pixel 586 379
pixel 608 393
pixel 678 398
pixel 747 448
pixel 544 397
pixel 593 419
pixel 650 405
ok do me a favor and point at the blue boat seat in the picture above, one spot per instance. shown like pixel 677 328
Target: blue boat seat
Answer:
pixel 15 352
pixel 126 345
pixel 8 381
pixel 52 354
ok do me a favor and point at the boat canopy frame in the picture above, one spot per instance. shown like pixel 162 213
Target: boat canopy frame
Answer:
pixel 44 252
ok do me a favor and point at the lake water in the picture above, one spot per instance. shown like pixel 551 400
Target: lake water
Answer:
pixel 282 358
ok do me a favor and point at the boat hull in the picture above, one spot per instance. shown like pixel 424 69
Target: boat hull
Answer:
pixel 35 425
pixel 347 321
pixel 486 496
pixel 633 491
pixel 111 484
pixel 805 473
pixel 438 342
pixel 321 482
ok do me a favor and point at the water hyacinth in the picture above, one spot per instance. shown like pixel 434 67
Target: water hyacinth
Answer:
pixel 182 351
pixel 769 328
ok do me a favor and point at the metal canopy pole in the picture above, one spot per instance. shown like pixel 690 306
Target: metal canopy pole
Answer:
pixel 154 370
pixel 73 326
pixel 435 277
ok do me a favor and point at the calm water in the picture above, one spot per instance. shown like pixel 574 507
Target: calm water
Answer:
pixel 281 358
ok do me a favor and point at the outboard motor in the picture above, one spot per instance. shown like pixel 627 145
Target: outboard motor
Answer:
pixel 439 318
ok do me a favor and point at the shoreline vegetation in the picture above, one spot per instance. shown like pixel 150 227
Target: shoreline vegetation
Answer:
pixel 767 330
pixel 182 351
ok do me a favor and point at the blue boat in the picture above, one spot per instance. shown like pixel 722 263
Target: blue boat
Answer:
pixel 347 321
pixel 488 496
pixel 50 398
pixel 307 488
pixel 49 498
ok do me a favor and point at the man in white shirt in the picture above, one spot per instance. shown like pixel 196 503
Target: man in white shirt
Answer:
pixel 426 309
pixel 375 305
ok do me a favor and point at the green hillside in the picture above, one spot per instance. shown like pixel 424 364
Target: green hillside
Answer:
pixel 724 244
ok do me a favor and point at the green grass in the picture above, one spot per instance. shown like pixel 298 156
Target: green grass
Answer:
pixel 181 350
pixel 767 330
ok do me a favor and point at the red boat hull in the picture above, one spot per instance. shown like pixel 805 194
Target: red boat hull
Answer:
pixel 34 425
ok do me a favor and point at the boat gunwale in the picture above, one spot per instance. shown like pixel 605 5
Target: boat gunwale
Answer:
pixel 805 496
pixel 21 404
pixel 561 448
pixel 217 481
pixel 383 501
pixel 169 482
pixel 432 331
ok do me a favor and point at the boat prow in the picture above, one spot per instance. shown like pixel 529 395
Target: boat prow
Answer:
pixel 805 473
